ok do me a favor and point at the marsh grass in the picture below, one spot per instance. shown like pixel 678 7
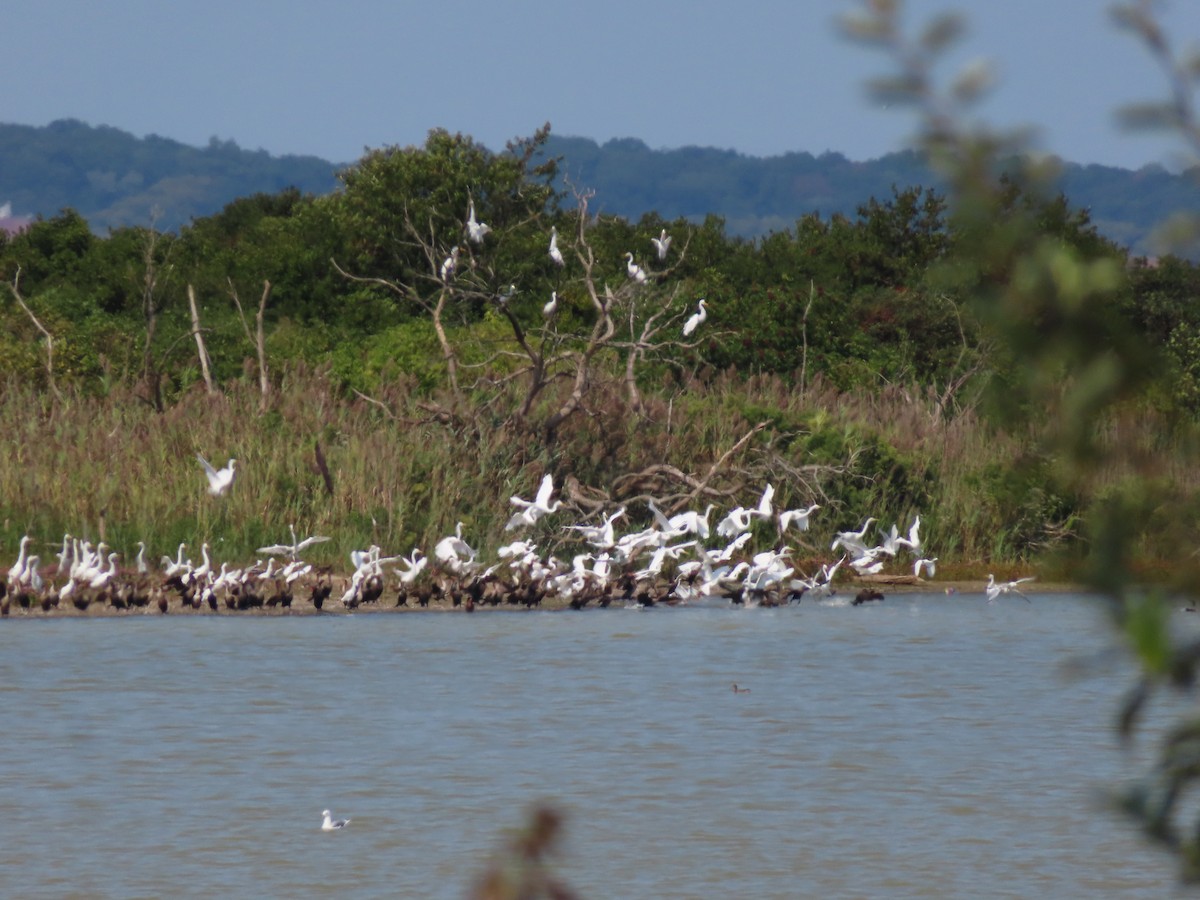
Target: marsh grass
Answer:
pixel 111 468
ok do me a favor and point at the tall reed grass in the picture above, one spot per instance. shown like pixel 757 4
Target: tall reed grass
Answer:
pixel 111 468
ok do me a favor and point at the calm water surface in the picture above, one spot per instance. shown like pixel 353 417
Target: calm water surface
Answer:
pixel 927 746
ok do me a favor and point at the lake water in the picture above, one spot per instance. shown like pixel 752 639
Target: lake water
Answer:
pixel 926 746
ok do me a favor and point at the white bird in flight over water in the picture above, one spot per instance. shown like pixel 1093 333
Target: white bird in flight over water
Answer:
pixel 662 244
pixel 994 590
pixel 219 480
pixel 696 319
pixel 332 824
pixel 555 253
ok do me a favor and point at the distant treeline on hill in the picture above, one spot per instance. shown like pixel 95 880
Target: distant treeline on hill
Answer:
pixel 113 178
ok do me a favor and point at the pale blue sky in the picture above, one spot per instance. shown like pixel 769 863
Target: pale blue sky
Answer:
pixel 759 76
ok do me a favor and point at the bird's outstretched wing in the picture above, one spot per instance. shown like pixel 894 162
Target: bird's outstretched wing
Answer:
pixel 208 469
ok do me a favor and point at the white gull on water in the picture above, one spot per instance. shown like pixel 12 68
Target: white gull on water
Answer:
pixel 331 824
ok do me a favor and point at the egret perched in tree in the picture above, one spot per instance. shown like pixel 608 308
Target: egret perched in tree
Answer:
pixel 662 244
pixel 219 480
pixel 476 231
pixel 551 306
pixel 635 271
pixel 555 253
pixel 695 319
pixel 449 264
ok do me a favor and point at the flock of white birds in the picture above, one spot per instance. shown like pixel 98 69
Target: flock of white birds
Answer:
pixel 684 558
pixel 678 559
pixel 477 231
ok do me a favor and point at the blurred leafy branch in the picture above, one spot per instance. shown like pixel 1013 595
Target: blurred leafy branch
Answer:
pixel 1072 356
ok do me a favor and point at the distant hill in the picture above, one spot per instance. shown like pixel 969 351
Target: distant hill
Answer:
pixel 113 178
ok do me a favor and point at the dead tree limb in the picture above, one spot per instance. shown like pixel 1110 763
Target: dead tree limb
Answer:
pixel 15 287
pixel 201 351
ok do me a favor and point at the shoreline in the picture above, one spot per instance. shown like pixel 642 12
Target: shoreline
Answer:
pixel 302 606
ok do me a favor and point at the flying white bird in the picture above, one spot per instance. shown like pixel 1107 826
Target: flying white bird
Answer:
pixel 532 510
pixel 929 565
pixel 662 244
pixel 332 824
pixel 476 231
pixel 994 590
pixel 555 253
pixel 635 271
pixel 799 516
pixel 449 264
pixel 551 306
pixel 695 320
pixel 219 480
pixel 293 549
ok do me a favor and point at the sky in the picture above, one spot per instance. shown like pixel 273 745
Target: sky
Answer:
pixel 762 77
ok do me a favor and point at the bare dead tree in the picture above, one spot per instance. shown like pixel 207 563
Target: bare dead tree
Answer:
pixel 198 334
pixel 15 287
pixel 258 339
pixel 154 278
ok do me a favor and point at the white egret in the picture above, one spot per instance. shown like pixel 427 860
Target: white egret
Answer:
pixel 142 568
pixel 17 572
pixel 662 243
pixel 913 541
pixel 449 264
pixel 555 253
pixel 995 589
pixel 293 549
pixel 929 565
pixel 696 319
pixel 476 230
pixel 853 540
pixel 635 271
pixel 532 510
pixel 798 516
pixel 219 480
pixel 551 306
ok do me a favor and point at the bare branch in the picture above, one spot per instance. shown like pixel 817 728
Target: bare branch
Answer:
pixel 14 287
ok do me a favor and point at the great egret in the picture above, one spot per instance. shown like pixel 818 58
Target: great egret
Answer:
pixel 332 824
pixel 551 306
pixel 929 565
pixel 449 264
pixel 219 480
pixel 17 572
pixel 476 231
pixel 799 516
pixel 696 319
pixel 555 253
pixel 635 271
pixel 853 540
pixel 662 243
pixel 994 589
pixel 532 510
